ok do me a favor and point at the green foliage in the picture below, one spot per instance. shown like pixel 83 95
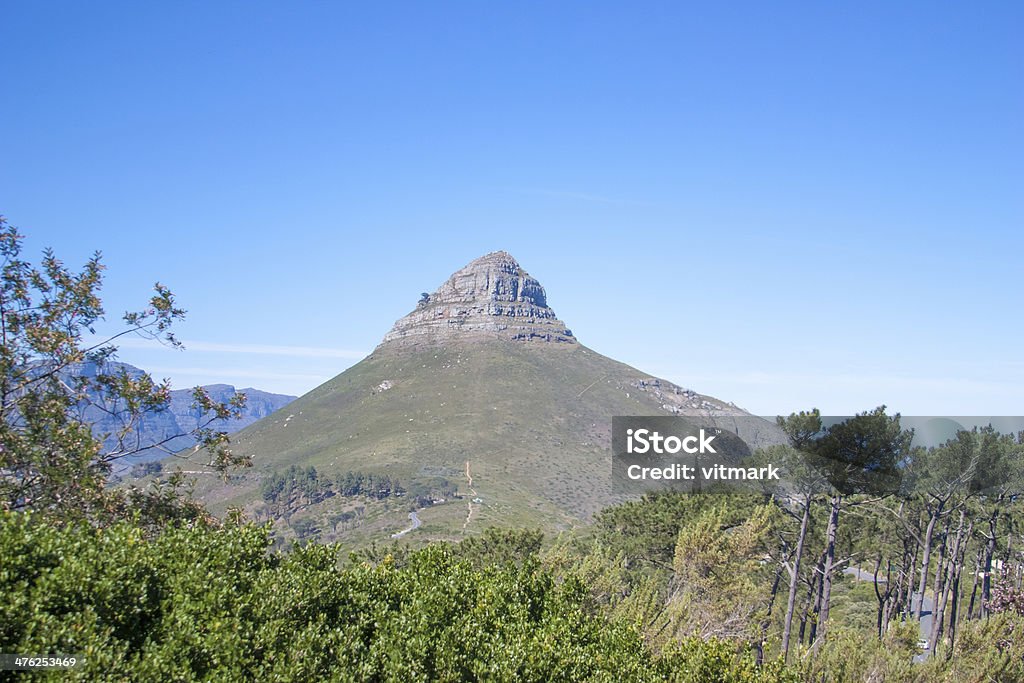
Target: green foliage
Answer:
pixel 1000 462
pixel 992 649
pixel 862 454
pixel 423 491
pixel 648 529
pixel 678 565
pixel 299 487
pixel 851 656
pixel 200 603
pixel 304 527
pixel 802 428
pixel 295 481
pixel 708 550
pixel 694 660
pixel 719 586
pixel 50 460
pixel 501 546
pixel 940 472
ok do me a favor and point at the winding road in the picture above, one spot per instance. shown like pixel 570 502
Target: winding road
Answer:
pixel 416 523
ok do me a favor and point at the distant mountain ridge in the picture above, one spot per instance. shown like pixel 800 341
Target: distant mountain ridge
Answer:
pixel 180 418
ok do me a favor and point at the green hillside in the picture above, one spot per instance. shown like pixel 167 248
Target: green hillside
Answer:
pixel 533 422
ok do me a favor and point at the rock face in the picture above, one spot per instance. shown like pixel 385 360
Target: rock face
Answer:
pixel 491 296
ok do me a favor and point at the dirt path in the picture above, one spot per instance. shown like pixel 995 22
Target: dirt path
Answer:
pixel 590 385
pixel 469 513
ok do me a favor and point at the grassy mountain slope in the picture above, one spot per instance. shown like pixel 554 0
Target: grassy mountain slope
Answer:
pixel 532 420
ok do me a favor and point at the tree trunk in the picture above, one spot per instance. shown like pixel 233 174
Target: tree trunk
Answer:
pixel 883 598
pixel 819 573
pixel 896 587
pixel 830 559
pixel 925 560
pixel 940 565
pixel 958 568
pixel 990 551
pixel 893 603
pixel 767 621
pixel 794 580
pixel 954 610
pixel 909 569
pixel 974 585
pixel 943 586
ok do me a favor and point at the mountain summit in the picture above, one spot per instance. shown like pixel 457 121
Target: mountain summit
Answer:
pixel 491 296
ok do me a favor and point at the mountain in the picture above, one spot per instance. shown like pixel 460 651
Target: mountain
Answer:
pixel 480 393
pixel 165 426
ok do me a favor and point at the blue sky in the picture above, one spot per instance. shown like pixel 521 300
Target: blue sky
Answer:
pixel 784 205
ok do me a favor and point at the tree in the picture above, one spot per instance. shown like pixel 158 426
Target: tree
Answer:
pixel 717 587
pixel 50 458
pixel 807 480
pixel 998 482
pixel 939 477
pixel 861 455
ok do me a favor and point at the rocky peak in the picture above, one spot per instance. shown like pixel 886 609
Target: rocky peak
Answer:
pixel 491 296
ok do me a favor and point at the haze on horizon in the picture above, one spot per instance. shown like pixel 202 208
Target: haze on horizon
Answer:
pixel 783 207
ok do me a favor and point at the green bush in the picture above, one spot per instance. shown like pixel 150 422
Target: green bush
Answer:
pixel 205 603
pixel 199 602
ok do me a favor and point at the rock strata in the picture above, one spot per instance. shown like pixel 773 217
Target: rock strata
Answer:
pixel 491 296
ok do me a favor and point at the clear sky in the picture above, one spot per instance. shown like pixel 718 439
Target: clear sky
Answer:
pixel 784 205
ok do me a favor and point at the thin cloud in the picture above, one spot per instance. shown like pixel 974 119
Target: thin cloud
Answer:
pixel 258 349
